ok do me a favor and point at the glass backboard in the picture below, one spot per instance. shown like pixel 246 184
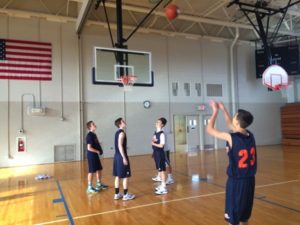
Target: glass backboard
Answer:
pixel 113 63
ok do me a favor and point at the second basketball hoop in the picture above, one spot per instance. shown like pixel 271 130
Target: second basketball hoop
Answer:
pixel 275 78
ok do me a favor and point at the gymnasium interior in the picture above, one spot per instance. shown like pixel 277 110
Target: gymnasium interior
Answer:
pixel 204 50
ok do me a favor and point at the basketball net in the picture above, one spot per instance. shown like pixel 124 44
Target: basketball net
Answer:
pixel 127 81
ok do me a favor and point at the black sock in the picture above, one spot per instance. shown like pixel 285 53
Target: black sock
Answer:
pixel 125 191
pixel 117 190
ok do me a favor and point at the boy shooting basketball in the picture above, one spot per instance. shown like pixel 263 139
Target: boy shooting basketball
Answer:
pixel 241 150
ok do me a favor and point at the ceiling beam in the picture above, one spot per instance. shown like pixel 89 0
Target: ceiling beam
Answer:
pixel 197 19
pixel 182 16
pixel 215 7
pixel 82 16
pixel 293 13
pixel 167 33
pixel 19 13
pixel 7 4
pixel 26 14
pixel 64 19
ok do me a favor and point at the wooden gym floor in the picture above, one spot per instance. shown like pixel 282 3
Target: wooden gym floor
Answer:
pixel 196 197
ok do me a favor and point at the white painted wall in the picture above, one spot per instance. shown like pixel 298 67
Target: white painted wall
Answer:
pixel 42 133
pixel 174 59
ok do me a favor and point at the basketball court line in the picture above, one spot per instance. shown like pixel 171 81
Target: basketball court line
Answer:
pixel 278 183
pixel 63 200
pixel 263 198
pixel 133 207
pixel 159 203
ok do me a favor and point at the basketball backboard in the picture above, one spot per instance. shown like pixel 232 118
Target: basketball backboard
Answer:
pixel 110 64
pixel 275 77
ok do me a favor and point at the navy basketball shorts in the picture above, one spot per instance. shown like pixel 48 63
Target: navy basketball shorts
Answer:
pixel 160 160
pixel 119 169
pixel 94 162
pixel 239 199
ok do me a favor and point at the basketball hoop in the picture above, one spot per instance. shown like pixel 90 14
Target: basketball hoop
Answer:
pixel 275 78
pixel 128 81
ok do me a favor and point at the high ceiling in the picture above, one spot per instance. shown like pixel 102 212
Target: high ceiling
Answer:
pixel 198 18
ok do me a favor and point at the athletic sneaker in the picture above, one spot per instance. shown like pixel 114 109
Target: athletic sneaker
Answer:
pixel 227 218
pixel 91 190
pixel 158 187
pixel 118 196
pixel 170 181
pixel 161 191
pixel 156 178
pixel 100 186
pixel 128 197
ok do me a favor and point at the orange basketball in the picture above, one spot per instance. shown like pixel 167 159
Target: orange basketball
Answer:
pixel 172 11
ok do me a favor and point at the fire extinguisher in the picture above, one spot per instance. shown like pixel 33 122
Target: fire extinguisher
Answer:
pixel 21 145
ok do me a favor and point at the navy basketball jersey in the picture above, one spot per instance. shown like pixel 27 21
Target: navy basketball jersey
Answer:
pixel 119 131
pixel 157 136
pixel 242 156
pixel 92 139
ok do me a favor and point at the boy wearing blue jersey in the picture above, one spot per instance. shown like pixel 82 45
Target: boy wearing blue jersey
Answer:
pixel 94 149
pixel 158 142
pixel 241 151
pixel 121 166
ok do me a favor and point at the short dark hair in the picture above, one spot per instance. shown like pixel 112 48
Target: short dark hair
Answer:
pixel 244 117
pixel 163 121
pixel 118 122
pixel 89 124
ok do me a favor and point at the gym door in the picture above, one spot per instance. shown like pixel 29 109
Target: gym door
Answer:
pixel 192 132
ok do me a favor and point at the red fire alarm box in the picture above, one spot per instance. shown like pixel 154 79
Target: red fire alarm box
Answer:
pixel 21 144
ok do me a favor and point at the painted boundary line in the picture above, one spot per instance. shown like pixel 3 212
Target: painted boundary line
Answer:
pixel 63 200
pixel 158 203
pixel 278 183
pixel 133 207
pixel 277 204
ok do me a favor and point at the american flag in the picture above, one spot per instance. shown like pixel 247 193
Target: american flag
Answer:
pixel 25 60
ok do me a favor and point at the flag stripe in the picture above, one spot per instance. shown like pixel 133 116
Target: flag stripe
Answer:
pixel 24 66
pixel 14 63
pixel 28 48
pixel 25 71
pixel 24 78
pixel 27 42
pixel 24 75
pixel 28 60
pixel 26 45
pixel 27 54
